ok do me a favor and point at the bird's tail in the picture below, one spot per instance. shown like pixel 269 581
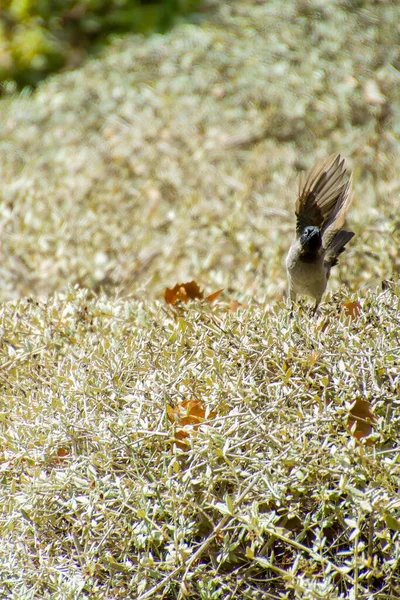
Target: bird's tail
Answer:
pixel 336 246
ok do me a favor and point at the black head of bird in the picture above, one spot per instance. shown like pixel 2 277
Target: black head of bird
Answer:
pixel 311 240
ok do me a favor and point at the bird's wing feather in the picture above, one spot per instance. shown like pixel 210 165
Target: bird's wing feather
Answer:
pixel 319 192
pixel 337 216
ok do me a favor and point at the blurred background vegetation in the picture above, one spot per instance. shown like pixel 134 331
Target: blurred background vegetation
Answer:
pixel 39 37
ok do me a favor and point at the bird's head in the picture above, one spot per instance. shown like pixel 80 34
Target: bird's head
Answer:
pixel 310 239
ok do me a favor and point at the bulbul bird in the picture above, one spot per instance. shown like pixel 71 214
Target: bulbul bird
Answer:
pixel 325 194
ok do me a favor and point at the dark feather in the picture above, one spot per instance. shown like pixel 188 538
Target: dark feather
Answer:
pixel 336 247
pixel 319 192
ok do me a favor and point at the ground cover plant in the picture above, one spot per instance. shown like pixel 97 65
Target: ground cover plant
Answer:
pixel 154 446
pixel 42 37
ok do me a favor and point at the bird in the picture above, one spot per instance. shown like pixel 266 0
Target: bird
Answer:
pixel 324 197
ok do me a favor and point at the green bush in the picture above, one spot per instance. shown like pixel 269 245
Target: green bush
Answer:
pixel 38 37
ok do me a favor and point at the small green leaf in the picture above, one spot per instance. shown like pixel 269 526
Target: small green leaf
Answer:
pixel 249 553
pixel 229 504
pixel 392 522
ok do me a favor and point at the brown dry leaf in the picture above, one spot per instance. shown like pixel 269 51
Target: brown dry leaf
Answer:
pixel 234 305
pixel 183 292
pixel 352 309
pixel 213 296
pixel 60 456
pixel 62 452
pixel 362 416
pixel 195 412
pixel 189 412
pixel 181 434
pixel 180 437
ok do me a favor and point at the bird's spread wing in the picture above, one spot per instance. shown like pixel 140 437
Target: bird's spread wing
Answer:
pixel 336 219
pixel 319 192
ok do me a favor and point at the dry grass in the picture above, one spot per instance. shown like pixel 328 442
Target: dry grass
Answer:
pixel 272 499
pixel 175 158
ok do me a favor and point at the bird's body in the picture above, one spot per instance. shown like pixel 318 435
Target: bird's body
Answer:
pixel 321 207
pixel 306 278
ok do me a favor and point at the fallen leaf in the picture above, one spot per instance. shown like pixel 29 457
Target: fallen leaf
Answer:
pixel 352 309
pixel 183 292
pixel 213 296
pixel 181 434
pixel 62 452
pixel 189 412
pixel 188 416
pixel 179 439
pixel 234 305
pixel 361 419
pixel 59 456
